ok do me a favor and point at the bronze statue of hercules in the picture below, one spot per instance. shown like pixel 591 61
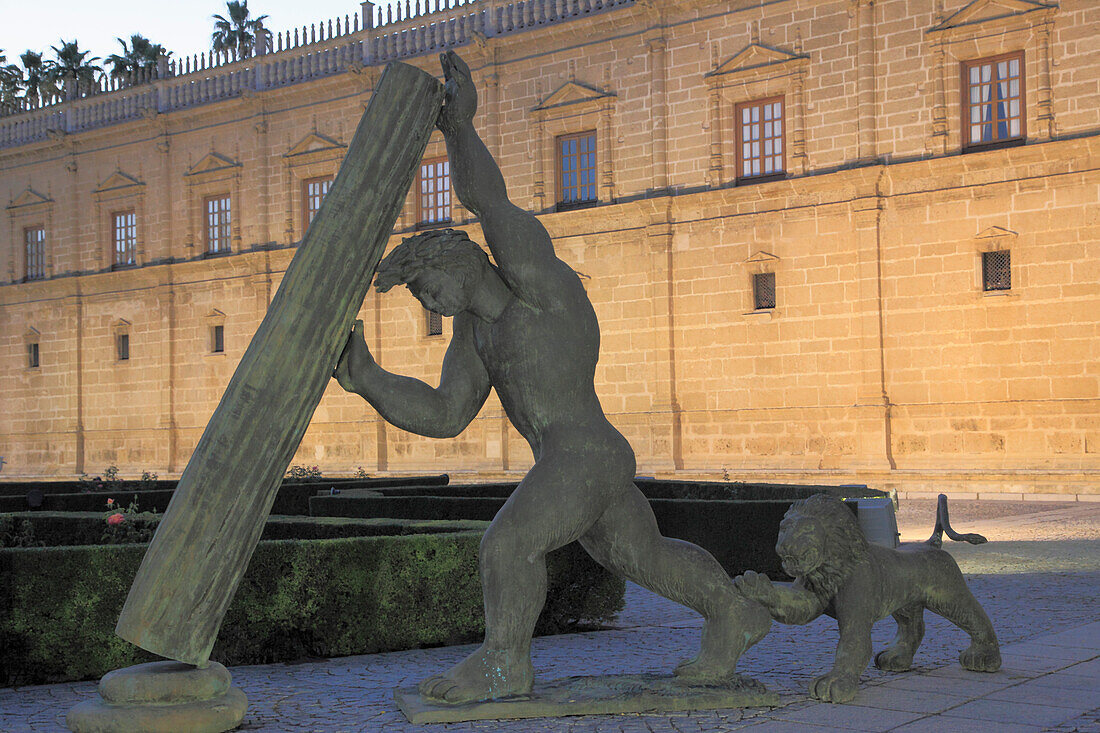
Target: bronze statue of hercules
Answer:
pixel 525 327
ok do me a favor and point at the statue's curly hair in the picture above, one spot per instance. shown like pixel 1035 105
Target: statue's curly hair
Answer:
pixel 449 250
pixel 840 540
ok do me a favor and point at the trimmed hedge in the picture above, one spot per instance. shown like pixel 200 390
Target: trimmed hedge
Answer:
pixel 66 529
pixel 20 488
pixel 741 534
pixel 299 598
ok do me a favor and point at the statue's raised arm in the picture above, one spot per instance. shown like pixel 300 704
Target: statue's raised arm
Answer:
pixel 520 244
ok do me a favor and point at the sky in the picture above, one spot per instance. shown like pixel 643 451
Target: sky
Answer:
pixel 182 27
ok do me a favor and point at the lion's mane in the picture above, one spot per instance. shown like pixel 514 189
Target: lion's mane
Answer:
pixel 840 541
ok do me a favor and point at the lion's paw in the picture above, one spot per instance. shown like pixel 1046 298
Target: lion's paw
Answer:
pixel 834 687
pixel 981 658
pixel 894 660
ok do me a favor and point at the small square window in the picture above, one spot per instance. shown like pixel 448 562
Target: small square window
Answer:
pixel 996 270
pixel 435 324
pixel 123 346
pixel 433 197
pixel 763 290
pixel 217 339
pixel 32 355
pixel 576 170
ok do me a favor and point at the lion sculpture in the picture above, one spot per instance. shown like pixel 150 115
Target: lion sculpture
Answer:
pixel 837 572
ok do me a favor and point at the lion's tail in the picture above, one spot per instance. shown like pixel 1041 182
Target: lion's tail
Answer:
pixel 943 525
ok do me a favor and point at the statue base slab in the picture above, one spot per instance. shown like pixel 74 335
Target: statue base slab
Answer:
pixel 605 695
pixel 162 697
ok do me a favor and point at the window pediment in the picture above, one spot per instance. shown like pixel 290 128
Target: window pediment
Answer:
pixel 756 60
pixel 117 181
pixel 761 256
pixel 211 163
pixel 1007 13
pixel 313 143
pixel 996 234
pixel 572 94
pixel 29 197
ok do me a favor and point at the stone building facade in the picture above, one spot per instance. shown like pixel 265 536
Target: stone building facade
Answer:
pixel 900 286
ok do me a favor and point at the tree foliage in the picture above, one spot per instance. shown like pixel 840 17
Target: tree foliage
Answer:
pixel 238 32
pixel 139 55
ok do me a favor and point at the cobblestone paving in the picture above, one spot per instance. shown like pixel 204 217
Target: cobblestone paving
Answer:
pixel 1039 576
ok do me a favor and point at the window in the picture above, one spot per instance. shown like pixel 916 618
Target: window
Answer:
pixel 32 355
pixel 433 201
pixel 217 339
pixel 313 193
pixel 35 240
pixel 993 100
pixel 435 323
pixel 124 237
pixel 577 169
pixel 996 270
pixel 763 290
pixel 218 218
pixel 122 345
pixel 760 126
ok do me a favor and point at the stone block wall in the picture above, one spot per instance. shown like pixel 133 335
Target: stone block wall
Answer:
pixel 883 362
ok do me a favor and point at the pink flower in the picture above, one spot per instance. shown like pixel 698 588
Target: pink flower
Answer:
pixel 110 502
pixel 115 520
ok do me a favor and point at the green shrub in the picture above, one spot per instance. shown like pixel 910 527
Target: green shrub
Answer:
pixel 299 598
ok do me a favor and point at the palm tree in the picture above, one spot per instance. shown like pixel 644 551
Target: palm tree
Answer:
pixel 10 79
pixel 238 32
pixel 38 81
pixel 140 55
pixel 73 65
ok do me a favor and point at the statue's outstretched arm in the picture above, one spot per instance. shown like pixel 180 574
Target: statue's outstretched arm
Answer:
pixel 520 244
pixel 787 604
pixel 410 404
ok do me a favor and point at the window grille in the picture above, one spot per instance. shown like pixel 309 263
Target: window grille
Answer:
pixel 313 192
pixel 217 339
pixel 435 324
pixel 433 199
pixel 32 355
pixel 124 236
pixel 35 240
pixel 123 343
pixel 760 135
pixel 763 290
pixel 996 270
pixel 577 169
pixel 993 100
pixel 218 220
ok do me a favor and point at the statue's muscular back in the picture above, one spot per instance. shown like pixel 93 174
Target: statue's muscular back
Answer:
pixel 541 360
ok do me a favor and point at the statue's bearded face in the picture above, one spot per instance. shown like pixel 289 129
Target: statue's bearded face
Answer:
pixel 440 292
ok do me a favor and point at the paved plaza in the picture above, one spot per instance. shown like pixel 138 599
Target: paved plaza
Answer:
pixel 1038 578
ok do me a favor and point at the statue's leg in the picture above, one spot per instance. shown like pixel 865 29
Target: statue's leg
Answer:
pixel 898 657
pixel 626 540
pixel 550 508
pixel 952 599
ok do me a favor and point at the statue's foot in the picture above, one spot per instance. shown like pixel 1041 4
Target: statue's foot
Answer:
pixel 981 658
pixel 725 638
pixel 834 687
pixel 894 659
pixel 484 675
